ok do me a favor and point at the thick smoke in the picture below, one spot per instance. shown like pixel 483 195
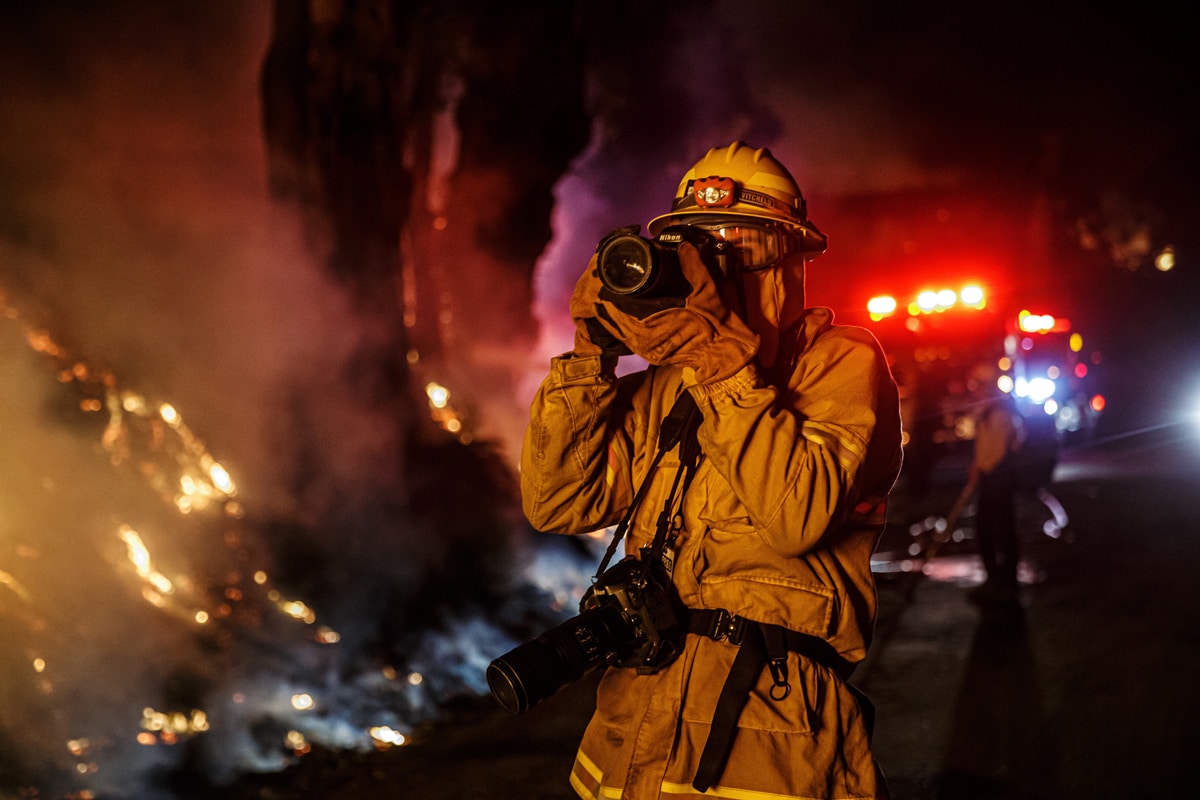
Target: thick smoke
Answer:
pixel 136 218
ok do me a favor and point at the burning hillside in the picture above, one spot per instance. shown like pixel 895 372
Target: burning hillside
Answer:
pixel 152 622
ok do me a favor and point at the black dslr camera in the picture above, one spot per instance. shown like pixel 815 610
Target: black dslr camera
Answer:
pixel 630 617
pixel 630 265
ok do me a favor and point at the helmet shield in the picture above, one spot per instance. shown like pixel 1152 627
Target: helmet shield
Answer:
pixel 757 244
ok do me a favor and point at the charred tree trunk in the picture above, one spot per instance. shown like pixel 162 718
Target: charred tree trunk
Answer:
pixel 335 111
pixel 422 142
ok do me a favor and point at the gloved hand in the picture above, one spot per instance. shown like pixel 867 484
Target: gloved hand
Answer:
pixel 591 338
pixel 702 334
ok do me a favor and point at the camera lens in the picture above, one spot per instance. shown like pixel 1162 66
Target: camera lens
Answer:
pixel 526 676
pixel 626 264
pixel 534 671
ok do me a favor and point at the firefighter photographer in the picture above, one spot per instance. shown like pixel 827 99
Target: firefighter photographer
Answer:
pixel 757 498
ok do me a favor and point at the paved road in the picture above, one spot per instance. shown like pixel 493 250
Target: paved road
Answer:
pixel 1086 694
pixel 1089 693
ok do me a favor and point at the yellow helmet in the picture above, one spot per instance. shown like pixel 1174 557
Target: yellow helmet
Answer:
pixel 742 181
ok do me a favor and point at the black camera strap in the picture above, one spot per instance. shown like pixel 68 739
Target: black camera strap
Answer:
pixel 760 645
pixel 678 428
pixel 670 519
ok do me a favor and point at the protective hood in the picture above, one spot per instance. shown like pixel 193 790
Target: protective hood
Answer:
pixel 774 303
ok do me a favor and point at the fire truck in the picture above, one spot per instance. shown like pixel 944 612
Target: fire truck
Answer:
pixel 938 339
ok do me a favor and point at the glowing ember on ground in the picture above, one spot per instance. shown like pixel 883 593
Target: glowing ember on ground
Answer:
pixel 386 737
pixel 303 702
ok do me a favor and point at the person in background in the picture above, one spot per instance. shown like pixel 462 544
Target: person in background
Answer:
pixel 995 470
pixel 764 529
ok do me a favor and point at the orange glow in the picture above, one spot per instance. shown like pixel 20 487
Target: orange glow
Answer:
pixel 298 744
pixel 293 608
pixel 1165 261
pixel 386 737
pixel 1098 402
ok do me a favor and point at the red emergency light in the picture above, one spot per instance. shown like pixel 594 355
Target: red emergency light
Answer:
pixel 936 301
pixel 930 301
pixel 881 306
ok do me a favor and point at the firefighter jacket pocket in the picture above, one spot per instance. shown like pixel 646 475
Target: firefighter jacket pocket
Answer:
pixel 793 714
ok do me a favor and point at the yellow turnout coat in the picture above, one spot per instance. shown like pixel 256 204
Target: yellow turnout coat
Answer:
pixel 779 524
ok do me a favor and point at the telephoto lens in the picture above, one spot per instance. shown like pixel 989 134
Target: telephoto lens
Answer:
pixel 535 670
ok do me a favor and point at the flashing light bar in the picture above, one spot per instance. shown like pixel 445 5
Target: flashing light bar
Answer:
pixel 1029 322
pixel 929 301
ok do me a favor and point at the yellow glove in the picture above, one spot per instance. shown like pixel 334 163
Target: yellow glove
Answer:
pixel 702 334
pixel 591 338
